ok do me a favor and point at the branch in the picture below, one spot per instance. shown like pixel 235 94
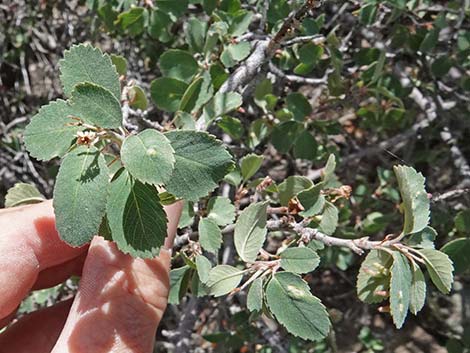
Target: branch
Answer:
pixel 299 79
pixel 452 194
pixel 315 39
pixel 265 49
pixel 307 234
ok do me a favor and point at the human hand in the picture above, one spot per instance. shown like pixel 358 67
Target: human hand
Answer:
pixel 119 303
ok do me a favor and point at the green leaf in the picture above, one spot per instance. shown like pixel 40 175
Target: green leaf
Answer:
pixel 306 146
pixel 167 92
pixel 234 53
pixel 417 290
pixel 201 162
pixel 195 33
pixel 223 279
pixel 250 164
pixel 133 20
pixel 422 239
pixel 231 126
pixel 96 105
pixel 298 105
pixel 190 96
pixel 462 221
pixel 329 170
pixel 187 215
pixel 310 54
pixel 136 217
pixel 250 231
pixel 175 8
pixel 120 63
pixel 254 298
pixel 221 210
pixel 160 26
pixel 400 288
pixel 415 199
pixel 459 251
pixel 179 64
pixel 83 63
pixel 374 277
pixel 329 218
pixel 430 41
pixel 149 157
pixel 301 313
pixel 285 134
pixel 203 266
pixel 179 279
pixel 184 121
pixel 312 201
pixel 240 22
pixel 440 269
pixel 291 187
pixel 23 194
pixel 210 235
pixel 221 104
pixel 50 132
pixel 299 260
pixel 137 98
pixel 80 195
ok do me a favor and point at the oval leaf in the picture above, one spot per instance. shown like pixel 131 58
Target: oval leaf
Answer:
pixel 400 288
pixel 167 92
pixel 136 217
pixel 299 260
pixel 149 157
pixel 254 298
pixel 415 199
pixel 83 63
pixel 221 210
pixel 250 231
pixel 223 279
pixel 210 235
pixel 418 289
pixel 374 277
pixel 80 195
pixel 201 162
pixel 301 313
pixel 178 64
pixel 96 105
pixel 22 194
pixel 440 269
pixel 50 132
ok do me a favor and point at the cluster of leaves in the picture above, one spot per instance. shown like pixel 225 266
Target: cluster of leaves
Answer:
pixel 123 202
pixel 109 180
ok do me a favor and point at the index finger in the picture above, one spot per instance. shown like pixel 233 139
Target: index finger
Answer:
pixel 29 244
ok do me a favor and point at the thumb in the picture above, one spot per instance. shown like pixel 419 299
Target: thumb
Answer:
pixel 120 300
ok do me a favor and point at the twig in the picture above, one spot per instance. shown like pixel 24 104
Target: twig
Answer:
pixel 452 194
pixel 299 79
pixel 307 234
pixel 315 39
pixel 264 50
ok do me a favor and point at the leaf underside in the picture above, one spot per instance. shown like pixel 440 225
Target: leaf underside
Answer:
pixel 302 314
pixel 80 195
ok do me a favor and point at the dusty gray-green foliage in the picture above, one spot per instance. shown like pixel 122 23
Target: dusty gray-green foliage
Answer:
pixel 307 101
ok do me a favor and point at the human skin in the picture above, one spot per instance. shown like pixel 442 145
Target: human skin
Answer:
pixel 119 303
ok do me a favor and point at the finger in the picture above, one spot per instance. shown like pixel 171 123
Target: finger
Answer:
pixel 51 277
pixel 36 332
pixel 120 300
pixel 29 244
pixel 55 275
